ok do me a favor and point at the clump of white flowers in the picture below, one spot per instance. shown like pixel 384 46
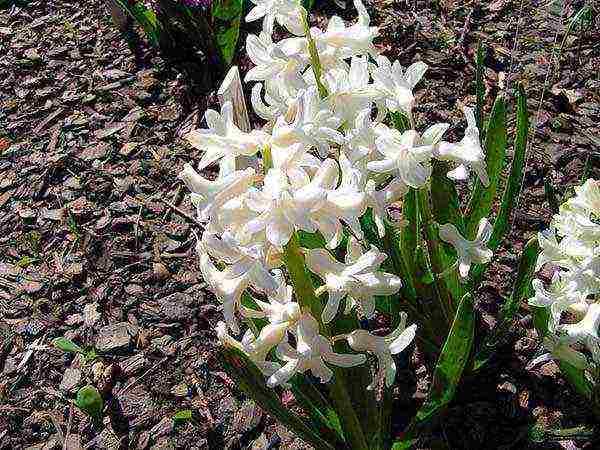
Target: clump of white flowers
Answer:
pixel 323 158
pixel 572 247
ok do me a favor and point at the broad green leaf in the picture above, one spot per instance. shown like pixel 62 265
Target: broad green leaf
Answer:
pixel 515 179
pixel 66 345
pixel 480 89
pixel 226 36
pixel 251 381
pixel 577 378
pixel 409 238
pixel 184 415
pixel 520 292
pixel 400 121
pixel 145 17
pixel 446 209
pixel 451 362
pixel 227 9
pixel 514 183
pixel 308 4
pixel 540 320
pixel 495 147
pixel 436 259
pixel 324 417
pixel 305 295
pixel 89 401
pixel 448 371
pixel 540 435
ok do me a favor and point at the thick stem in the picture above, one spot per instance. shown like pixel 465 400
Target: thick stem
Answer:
pixel 314 57
pixel 435 256
pixel 308 301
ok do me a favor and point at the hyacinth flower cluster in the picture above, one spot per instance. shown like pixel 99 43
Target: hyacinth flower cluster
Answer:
pixel 333 233
pixel 571 247
pixel 322 159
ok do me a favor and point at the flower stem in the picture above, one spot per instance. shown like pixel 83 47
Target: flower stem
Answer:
pixel 434 251
pixel 314 57
pixel 305 295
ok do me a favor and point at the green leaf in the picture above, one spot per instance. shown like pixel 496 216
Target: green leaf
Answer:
pixel 446 209
pixel 514 184
pixel 324 417
pixel 226 36
pixel 184 415
pixel 448 371
pixel 509 309
pixel 577 378
pixel 495 146
pixel 227 9
pixel 452 361
pixel 250 380
pixel 480 89
pixel 305 295
pixel 540 320
pixel 89 401
pixel 145 17
pixel 515 179
pixel 550 192
pixel 66 345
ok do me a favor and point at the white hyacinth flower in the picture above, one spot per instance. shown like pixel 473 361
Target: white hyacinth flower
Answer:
pixel 258 358
pixel 312 352
pixel 246 266
pixel 394 86
pixel 359 278
pixel 468 153
pixel 354 40
pixel 287 13
pixel 349 90
pixel 223 139
pixel 585 331
pixel 587 198
pixel 283 208
pixel 404 157
pixel 208 196
pixel 469 252
pixel 383 347
pixel 272 64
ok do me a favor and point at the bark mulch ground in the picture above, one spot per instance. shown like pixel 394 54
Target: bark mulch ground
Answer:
pixel 97 235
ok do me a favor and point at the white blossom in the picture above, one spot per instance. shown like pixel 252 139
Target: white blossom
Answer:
pixel 383 347
pixel 287 13
pixel 358 278
pixel 394 86
pixel 312 352
pixel 469 252
pixel 468 153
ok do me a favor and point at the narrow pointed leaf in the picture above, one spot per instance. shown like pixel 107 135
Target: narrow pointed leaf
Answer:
pixel 67 345
pixel 251 381
pixel 318 408
pixel 520 292
pixel 448 372
pixel 452 361
pixel 495 148
pixel 480 89
pixel 305 295
pixel 514 183
pixel 515 179
pixel 446 209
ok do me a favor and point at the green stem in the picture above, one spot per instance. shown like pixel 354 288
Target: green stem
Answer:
pixel 305 295
pixel 435 253
pixel 315 62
